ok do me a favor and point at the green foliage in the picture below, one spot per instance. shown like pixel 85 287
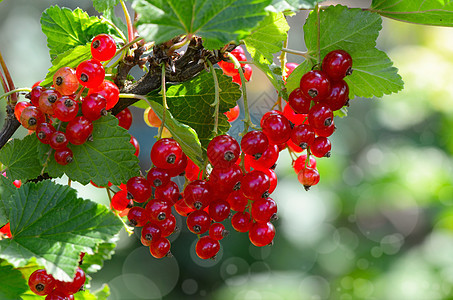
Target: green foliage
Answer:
pixel 185 135
pixel 109 157
pixel 19 157
pixel 49 223
pixel 66 29
pixel 101 294
pixel 104 5
pixel 427 12
pixel 294 5
pixel 13 284
pixel 104 251
pixel 217 22
pixel 190 103
pixel 373 73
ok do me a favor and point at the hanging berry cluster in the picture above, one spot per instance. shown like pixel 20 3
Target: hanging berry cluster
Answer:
pixel 43 284
pixel 65 107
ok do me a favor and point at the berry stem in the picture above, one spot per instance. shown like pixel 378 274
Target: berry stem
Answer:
pixel 9 79
pixel 295 52
pixel 120 33
pixel 164 101
pixel 15 91
pixel 130 31
pixel 216 97
pixel 129 229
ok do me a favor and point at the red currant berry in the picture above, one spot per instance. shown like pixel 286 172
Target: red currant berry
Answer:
pixel 58 140
pixel 179 168
pixel 263 210
pixel 19 108
pixel 41 283
pixel 120 201
pixel 321 147
pixel 137 216
pixel 103 47
pixel 66 109
pixel 247 70
pixel 308 177
pixel 136 145
pixel 35 94
pixel 237 201
pixel 219 210
pixel 93 106
pixel 192 170
pixel 198 221
pixel 44 132
pixel 124 118
pixel 241 221
pixel 326 131
pixel 160 248
pixel 65 81
pixel 47 100
pixel 166 153
pixel 79 130
pixel 139 189
pixel 223 151
pixel 315 85
pixel 337 64
pixel 339 95
pixel 151 119
pixel 63 156
pixel 157 177
pixel 31 116
pixel 298 102
pixel 58 295
pixel 207 247
pixel 268 114
pixel 254 143
pixel 255 185
pixel 294 117
pixel 226 180
pixel 197 194
pixel 301 161
pixel 262 234
pixel 290 68
pixel 109 91
pixel 266 161
pixel 272 179
pixel 167 226
pixel 158 209
pixel 90 73
pixel 277 129
pixel 217 231
pixel 303 135
pixel 150 231
pixel 74 286
pixel 169 192
pixel 182 208
pixel 320 116
pixel 233 114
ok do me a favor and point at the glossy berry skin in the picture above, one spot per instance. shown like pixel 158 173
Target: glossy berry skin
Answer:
pixel 65 81
pixel 157 177
pixel 308 177
pixel 160 247
pixel 228 67
pixel 294 117
pixel 151 231
pixel 207 247
pixel 241 221
pixel 264 209
pixel 30 117
pixel 136 145
pixel 217 231
pixel 139 188
pixel 303 135
pixel 151 119
pixel 290 68
pixel 254 143
pixel 169 192
pixel 219 210
pixel 41 283
pixel 262 234
pixel 337 64
pixel 237 201
pixel 125 118
pixel 167 226
pixel 198 221
pixel 233 114
pixel 226 180
pixel 35 94
pixel 44 132
pixel 298 102
pixel 137 216
pixel 93 106
pixel 272 179
pixel 63 156
pixel 300 162
pixel 315 85
pixel 58 295
pixel 339 95
pixel 166 153
pixel 120 201
pixel 90 73
pixel 320 116
pixel 179 167
pixel 182 208
pixel 66 109
pixel 255 185
pixel 266 161
pixel 268 114
pixel 321 147
pixel 277 128
pixel 197 194
pixel 223 151
pixel 326 131
pixel 19 108
pixel 103 47
pixel 46 101
pixel 158 209
pixel 58 140
pixel 192 171
pixel 73 286
pixel 79 130
pixel 109 91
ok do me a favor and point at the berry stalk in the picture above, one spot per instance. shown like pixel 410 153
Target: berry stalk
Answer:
pixel 130 31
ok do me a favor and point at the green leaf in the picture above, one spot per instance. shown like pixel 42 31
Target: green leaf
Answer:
pixel 190 103
pixel 13 284
pixel 6 190
pixel 49 223
pixel 101 294
pixel 427 12
pixel 182 133
pixel 294 5
pixel 217 22
pixel 94 262
pixel 354 31
pixel 104 5
pixel 293 80
pixel 66 29
pixel 20 159
pixel 109 157
pixel 70 58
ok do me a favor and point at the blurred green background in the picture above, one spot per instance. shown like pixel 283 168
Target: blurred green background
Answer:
pixel 378 226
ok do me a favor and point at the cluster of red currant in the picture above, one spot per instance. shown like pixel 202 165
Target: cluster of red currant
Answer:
pixel 43 284
pixel 64 102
